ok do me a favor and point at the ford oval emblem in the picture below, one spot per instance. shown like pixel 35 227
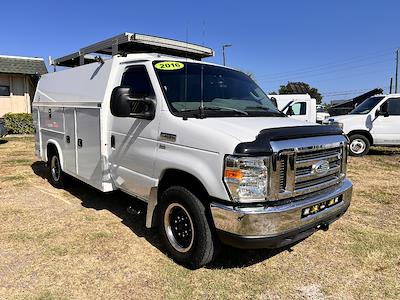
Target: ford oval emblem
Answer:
pixel 320 168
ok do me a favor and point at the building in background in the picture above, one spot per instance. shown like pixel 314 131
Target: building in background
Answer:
pixel 18 80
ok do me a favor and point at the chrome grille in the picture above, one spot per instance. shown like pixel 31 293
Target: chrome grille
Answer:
pixel 282 175
pixel 307 177
pixel 297 174
pixel 318 154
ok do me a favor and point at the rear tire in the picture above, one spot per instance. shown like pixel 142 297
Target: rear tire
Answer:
pixel 359 145
pixel 184 228
pixel 57 176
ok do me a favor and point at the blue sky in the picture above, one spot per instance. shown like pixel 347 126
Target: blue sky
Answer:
pixel 341 47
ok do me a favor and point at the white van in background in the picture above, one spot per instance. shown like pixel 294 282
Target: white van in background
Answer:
pixel 300 107
pixel 376 121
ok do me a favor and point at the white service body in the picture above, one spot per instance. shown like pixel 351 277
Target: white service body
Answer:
pixel 72 112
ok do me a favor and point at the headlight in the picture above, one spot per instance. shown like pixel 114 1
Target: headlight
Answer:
pixel 333 122
pixel 246 178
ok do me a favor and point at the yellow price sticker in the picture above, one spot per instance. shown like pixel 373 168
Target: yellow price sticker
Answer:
pixel 169 65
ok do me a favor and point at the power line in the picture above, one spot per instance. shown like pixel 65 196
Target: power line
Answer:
pixel 327 65
pixel 329 72
pixel 349 93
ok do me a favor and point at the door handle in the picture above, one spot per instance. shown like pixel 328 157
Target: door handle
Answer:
pixel 68 139
pixel 113 141
pixel 80 142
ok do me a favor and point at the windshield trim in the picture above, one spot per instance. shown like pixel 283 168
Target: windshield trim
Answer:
pixel 214 114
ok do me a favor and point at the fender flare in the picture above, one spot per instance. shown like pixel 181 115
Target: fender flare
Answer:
pixel 366 133
pixel 60 154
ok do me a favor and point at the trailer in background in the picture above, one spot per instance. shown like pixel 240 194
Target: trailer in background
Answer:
pixel 344 107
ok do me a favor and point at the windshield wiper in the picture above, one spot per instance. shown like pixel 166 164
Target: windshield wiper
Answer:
pixel 211 108
pixel 258 107
pixel 279 113
pixel 226 108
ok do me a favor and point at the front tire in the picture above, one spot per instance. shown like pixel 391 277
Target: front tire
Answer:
pixel 359 145
pixel 184 228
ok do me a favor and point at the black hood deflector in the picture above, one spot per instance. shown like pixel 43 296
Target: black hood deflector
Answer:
pixel 262 146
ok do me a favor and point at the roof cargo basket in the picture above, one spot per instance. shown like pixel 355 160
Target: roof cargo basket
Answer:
pixel 133 43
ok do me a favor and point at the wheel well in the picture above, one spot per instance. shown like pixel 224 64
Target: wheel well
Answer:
pixel 364 133
pixel 51 149
pixel 173 177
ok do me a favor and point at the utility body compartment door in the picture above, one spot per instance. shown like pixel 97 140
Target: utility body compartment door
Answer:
pixel 69 141
pixel 88 144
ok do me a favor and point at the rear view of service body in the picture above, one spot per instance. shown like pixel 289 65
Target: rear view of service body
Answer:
pixel 200 143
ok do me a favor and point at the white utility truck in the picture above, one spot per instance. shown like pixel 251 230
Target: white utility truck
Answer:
pixel 300 107
pixel 200 143
pixel 376 121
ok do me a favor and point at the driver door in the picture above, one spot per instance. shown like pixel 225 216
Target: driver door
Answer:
pixel 386 129
pixel 298 110
pixel 133 140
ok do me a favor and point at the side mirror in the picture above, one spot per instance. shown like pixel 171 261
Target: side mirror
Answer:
pixel 273 100
pixel 124 104
pixel 383 110
pixel 290 111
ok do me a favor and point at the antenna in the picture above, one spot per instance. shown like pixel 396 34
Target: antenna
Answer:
pixel 204 32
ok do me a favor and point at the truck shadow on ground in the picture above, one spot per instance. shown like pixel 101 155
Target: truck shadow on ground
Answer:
pixel 386 151
pixel 132 213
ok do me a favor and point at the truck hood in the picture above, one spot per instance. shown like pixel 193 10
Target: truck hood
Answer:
pixel 345 118
pixel 246 129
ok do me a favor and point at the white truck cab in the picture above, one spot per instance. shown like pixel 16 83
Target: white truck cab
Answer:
pixel 200 143
pixel 374 122
pixel 300 107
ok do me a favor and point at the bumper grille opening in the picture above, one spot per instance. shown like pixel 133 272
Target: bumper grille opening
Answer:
pixel 313 182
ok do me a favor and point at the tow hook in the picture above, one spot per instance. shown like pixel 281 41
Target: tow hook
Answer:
pixel 323 226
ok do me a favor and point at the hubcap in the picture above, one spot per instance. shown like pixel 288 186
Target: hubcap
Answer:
pixel 358 146
pixel 55 168
pixel 178 226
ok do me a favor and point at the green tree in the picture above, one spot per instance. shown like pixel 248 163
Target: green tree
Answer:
pixel 301 88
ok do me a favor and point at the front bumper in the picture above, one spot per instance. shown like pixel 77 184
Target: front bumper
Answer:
pixel 278 226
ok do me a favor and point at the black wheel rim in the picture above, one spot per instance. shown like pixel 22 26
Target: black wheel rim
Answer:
pixel 55 168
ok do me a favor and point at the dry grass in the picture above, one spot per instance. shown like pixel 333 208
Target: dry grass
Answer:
pixel 82 244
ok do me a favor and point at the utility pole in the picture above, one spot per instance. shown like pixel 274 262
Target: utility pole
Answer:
pixel 223 52
pixel 391 84
pixel 397 70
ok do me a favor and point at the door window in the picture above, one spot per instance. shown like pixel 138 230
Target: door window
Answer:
pixel 299 108
pixel 138 80
pixel 394 106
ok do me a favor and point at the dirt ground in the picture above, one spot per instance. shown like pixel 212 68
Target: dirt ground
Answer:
pixel 81 244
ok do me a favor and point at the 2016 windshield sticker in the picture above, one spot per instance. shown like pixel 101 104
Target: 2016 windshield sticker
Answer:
pixel 169 65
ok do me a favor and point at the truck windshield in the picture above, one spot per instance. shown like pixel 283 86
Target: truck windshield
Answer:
pixel 200 90
pixel 366 106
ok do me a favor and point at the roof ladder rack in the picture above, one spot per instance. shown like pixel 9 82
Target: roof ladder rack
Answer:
pixel 127 43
